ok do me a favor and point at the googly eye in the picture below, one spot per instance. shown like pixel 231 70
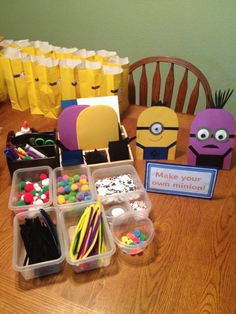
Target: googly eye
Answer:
pixel 221 135
pixel 156 128
pixel 203 134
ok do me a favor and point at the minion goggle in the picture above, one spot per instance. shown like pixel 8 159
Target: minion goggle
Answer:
pixel 156 128
pixel 220 135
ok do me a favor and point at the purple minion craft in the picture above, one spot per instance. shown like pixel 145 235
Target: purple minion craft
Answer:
pixel 212 135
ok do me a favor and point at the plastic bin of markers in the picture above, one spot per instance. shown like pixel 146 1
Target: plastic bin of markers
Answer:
pixel 132 232
pixel 69 219
pixel 135 194
pixel 30 175
pixel 72 186
pixel 51 152
pixel 35 270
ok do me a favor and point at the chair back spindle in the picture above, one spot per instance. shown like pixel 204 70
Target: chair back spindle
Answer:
pixel 171 84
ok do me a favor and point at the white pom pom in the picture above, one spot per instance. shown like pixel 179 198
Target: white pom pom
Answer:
pixel 43 196
pixel 45 182
pixel 38 202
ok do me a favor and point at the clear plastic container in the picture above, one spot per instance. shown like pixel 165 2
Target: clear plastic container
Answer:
pixel 69 219
pixel 134 227
pixel 139 202
pixel 32 175
pixel 19 253
pixel 138 195
pixel 79 196
pixel 113 174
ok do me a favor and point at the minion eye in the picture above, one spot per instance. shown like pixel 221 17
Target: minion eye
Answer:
pixel 203 134
pixel 156 128
pixel 221 135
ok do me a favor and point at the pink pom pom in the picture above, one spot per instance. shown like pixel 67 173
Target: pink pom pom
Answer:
pixel 61 190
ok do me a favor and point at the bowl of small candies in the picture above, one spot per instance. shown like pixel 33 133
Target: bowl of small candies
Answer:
pixel 132 232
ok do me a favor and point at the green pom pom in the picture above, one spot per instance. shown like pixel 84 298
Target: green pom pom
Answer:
pixel 22 185
pixel 71 180
pixel 72 193
pixel 45 188
pixel 21 203
pixel 76 178
pixel 142 237
pixel 72 199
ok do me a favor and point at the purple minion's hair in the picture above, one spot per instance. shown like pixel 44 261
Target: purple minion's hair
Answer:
pixel 221 99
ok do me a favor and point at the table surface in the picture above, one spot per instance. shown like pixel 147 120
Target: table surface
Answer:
pixel 190 267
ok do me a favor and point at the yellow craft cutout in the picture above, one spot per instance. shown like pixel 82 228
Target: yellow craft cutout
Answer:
pixel 156 133
pixel 96 126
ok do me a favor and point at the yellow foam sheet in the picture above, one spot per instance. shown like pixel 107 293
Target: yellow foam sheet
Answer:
pixel 149 117
pixel 96 126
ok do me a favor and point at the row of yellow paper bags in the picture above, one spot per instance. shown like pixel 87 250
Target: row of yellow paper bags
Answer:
pixel 40 83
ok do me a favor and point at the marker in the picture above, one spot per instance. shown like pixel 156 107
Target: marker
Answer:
pixel 10 155
pixel 34 156
pixel 35 151
pixel 21 151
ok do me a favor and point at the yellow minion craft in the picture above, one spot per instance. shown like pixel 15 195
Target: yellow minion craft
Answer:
pixel 156 133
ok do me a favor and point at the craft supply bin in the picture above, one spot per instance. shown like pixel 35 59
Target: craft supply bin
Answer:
pixel 105 152
pixel 130 222
pixel 51 151
pixel 72 171
pixel 69 218
pixel 140 197
pixel 28 174
pixel 19 252
pixel 139 194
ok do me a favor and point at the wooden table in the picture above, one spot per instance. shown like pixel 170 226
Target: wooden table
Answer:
pixel 189 268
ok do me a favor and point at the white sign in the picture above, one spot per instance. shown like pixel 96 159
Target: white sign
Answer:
pixel 180 180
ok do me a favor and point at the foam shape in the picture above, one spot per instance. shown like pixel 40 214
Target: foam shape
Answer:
pixel 212 139
pixel 111 101
pixel 67 126
pixel 156 133
pixel 96 126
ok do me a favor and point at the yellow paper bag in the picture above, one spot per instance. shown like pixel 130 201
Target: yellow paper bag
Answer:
pixel 123 95
pixel 20 43
pixel 44 49
pixel 49 86
pixel 15 78
pixel 69 79
pixel 90 76
pixel 28 62
pixel 40 80
pixel 3 86
pixel 64 53
pixel 103 55
pixel 111 81
pixel 6 43
pixel 83 54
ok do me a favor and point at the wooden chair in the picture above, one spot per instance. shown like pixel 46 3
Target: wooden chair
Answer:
pixel 182 89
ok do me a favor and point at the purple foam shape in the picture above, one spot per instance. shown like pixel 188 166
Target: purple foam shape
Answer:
pixel 67 126
pixel 210 151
